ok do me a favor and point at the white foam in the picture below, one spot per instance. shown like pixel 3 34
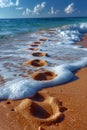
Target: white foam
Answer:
pixel 27 88
pixel 72 33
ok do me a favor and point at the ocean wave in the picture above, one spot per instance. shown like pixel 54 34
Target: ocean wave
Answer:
pixel 70 34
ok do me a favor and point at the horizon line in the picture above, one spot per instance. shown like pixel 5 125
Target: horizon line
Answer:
pixel 45 17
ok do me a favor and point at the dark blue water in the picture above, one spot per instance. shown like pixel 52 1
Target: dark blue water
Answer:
pixel 14 27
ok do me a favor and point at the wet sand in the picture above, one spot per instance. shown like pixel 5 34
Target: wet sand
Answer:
pixel 83 42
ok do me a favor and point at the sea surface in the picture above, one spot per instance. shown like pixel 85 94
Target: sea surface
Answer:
pixel 64 56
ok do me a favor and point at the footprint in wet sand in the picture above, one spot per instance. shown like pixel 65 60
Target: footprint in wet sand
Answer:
pixel 34 45
pixel 33 49
pixel 43 39
pixel 39 54
pixel 36 63
pixel 38 43
pixel 46 112
pixel 43 75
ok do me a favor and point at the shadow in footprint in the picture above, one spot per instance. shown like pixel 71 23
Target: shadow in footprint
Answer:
pixel 39 111
pixel 62 108
pixel 38 97
pixel 60 119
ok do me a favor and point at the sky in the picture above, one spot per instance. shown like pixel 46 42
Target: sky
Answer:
pixel 42 8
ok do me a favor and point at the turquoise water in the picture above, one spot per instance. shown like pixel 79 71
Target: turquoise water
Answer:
pixel 14 27
pixel 64 56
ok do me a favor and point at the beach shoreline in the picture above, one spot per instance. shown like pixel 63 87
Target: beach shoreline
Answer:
pixel 61 107
pixel 39 113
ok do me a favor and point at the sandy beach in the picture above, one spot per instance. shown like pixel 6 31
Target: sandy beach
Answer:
pixel 57 108
pixel 61 107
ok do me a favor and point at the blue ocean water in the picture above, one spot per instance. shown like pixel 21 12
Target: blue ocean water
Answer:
pixel 14 27
pixel 64 56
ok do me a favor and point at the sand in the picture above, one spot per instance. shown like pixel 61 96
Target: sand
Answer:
pixel 83 42
pixel 73 95
pixel 62 107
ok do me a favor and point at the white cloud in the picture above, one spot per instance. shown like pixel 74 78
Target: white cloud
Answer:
pixel 43 4
pixel 70 8
pixel 36 10
pixel 26 12
pixel 8 3
pixel 19 8
pixel 17 2
pixel 53 12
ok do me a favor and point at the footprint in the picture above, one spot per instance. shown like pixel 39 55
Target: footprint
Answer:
pixel 43 39
pixel 34 110
pixel 33 49
pixel 36 63
pixel 43 75
pixel 34 45
pixel 39 54
pixel 38 43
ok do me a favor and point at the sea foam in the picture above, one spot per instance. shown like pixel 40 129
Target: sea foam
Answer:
pixel 62 44
pixel 70 34
pixel 28 88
